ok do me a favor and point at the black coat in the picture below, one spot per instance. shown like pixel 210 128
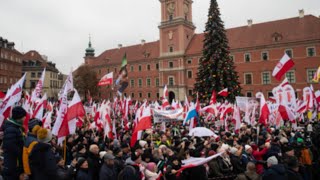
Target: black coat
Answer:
pixel 94 163
pixel 42 162
pixel 13 141
pixel 275 172
pixel 118 164
pixel 198 173
pixel 64 173
pixel 293 175
pixel 236 162
pixel 107 173
pixel 83 174
pixel 130 172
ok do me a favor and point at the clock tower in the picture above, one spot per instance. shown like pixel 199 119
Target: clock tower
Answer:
pixel 176 28
pixel 176 31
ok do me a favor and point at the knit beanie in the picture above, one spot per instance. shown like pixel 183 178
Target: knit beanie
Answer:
pixel 32 123
pixel 272 160
pixel 18 112
pixel 80 161
pixel 44 135
pixel 151 166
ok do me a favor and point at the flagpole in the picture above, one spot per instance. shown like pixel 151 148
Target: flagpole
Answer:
pixel 65 150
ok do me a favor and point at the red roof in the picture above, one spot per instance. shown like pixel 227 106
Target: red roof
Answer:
pixel 147 51
pixel 291 30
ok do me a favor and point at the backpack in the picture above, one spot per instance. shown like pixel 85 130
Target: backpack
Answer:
pixel 25 157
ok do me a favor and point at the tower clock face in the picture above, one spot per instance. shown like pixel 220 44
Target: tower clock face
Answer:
pixel 170 8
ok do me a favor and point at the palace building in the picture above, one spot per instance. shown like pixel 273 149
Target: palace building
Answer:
pixel 174 58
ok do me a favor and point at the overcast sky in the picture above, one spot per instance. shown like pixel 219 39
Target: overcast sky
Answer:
pixel 60 28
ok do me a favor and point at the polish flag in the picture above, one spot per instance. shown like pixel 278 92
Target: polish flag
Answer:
pixel 46 123
pixel 285 64
pixel 211 109
pixel 286 113
pixel 213 98
pixel 284 82
pixel 223 92
pixel 194 162
pixel 237 118
pixel 264 110
pixel 165 103
pixel 108 127
pixel 302 107
pixel 165 92
pixel 308 97
pixel 144 121
pixel 106 80
pixel 136 135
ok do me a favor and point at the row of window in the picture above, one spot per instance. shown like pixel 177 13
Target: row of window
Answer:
pixel 10 57
pixel 311 52
pixel 148 82
pixel 5 80
pixel 5 66
pixel 266 77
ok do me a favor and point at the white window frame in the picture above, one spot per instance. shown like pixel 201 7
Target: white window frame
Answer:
pixel 315 51
pixel 232 57
pixel 268 57
pixel 289 49
pixel 157 80
pixel 132 85
pixel 262 81
pixel 294 76
pixel 244 78
pixel 310 80
pixel 140 84
pixel 169 81
pixel 249 92
pixel 149 68
pixel 169 64
pixel 188 74
pixel 244 57
pixel 148 85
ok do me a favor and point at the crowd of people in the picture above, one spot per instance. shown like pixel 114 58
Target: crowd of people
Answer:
pixel 250 154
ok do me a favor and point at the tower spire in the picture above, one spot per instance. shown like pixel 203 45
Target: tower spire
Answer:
pixel 90 49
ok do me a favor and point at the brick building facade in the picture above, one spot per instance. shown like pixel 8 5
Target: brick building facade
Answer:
pixel 10 64
pixel 174 58
pixel 33 63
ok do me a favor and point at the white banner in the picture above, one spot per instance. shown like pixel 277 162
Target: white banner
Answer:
pixel 160 116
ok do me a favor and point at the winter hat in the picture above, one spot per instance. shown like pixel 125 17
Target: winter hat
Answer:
pixel 102 153
pixel 233 150
pixel 247 147
pixel 116 151
pixel 300 140
pixel 124 145
pixel 287 149
pixel 272 160
pixel 35 129
pixel 162 146
pixel 116 143
pixel 32 123
pixel 80 147
pixel 44 135
pixel 142 143
pixel 151 166
pixel 108 157
pixel 309 128
pixel 80 161
pixel 18 112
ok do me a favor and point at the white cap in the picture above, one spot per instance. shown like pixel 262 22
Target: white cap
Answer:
pixel 233 150
pixel 272 160
pixel 247 147
pixel 142 143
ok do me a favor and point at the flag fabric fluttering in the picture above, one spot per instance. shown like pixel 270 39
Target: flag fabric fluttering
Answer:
pixel 285 64
pixel 165 92
pixel 223 92
pixel 36 93
pixel 316 76
pixel 213 98
pixel 264 110
pixel 106 80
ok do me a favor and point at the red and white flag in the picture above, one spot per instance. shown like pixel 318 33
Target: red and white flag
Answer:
pixel 38 112
pixel 317 96
pixel 144 121
pixel 106 80
pixel 165 92
pixel 12 97
pixel 286 113
pixel 285 64
pixel 36 93
pixel 237 118
pixel 223 92
pixel 213 98
pixel 264 110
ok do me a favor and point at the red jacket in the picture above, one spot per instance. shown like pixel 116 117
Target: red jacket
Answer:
pixel 258 156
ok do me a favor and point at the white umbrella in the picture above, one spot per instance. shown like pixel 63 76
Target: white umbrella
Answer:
pixel 201 132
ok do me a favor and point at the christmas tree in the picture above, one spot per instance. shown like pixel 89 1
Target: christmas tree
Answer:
pixel 216 69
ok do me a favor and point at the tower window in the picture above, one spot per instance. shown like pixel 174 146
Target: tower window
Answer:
pixel 170 49
pixel 170 64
